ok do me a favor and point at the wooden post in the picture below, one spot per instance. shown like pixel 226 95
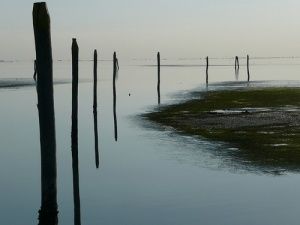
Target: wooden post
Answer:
pixel 158 77
pixel 74 133
pixel 207 70
pixel 248 68
pixel 95 80
pixel 44 70
pixel 237 63
pixel 115 70
pixel 95 110
pixel 237 67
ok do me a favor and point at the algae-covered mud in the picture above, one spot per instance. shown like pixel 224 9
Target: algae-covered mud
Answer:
pixel 261 126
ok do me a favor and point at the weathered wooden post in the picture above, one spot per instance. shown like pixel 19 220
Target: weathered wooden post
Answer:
pixel 158 77
pixel 237 67
pixel 44 72
pixel 115 70
pixel 95 110
pixel 95 80
pixel 237 63
pixel 248 68
pixel 207 70
pixel 74 133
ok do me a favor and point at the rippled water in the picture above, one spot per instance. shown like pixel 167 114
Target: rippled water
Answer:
pixel 152 175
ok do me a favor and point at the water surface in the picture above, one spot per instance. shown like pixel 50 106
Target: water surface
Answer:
pixel 151 175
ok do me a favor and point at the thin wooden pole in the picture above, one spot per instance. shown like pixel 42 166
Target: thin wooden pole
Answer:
pixel 248 68
pixel 237 67
pixel 44 71
pixel 95 80
pixel 115 70
pixel 207 70
pixel 95 110
pixel 74 133
pixel 237 63
pixel 158 77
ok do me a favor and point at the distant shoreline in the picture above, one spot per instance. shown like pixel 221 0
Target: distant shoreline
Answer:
pixel 27 82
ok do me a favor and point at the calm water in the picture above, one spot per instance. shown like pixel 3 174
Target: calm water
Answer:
pixel 151 175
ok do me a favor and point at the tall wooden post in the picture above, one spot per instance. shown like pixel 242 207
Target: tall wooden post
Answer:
pixel 95 110
pixel 158 77
pixel 74 133
pixel 44 70
pixel 248 68
pixel 207 70
pixel 115 70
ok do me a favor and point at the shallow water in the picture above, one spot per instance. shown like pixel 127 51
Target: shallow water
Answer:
pixel 151 175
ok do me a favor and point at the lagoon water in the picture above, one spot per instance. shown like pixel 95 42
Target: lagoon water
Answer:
pixel 151 175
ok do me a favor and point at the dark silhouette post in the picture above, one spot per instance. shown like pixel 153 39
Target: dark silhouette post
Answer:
pixel 207 70
pixel 248 68
pixel 95 110
pixel 115 71
pixel 95 80
pixel 74 133
pixel 44 72
pixel 158 77
pixel 237 67
pixel 237 63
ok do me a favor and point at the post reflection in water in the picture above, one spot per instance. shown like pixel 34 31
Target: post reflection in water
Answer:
pixel 74 133
pixel 115 71
pixel 95 111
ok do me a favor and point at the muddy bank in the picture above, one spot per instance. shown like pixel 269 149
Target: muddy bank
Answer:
pixel 262 124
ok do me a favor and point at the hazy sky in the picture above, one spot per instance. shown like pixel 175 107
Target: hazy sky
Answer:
pixel 139 28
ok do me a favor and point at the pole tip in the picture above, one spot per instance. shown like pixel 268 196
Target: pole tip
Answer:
pixel 74 43
pixel 40 15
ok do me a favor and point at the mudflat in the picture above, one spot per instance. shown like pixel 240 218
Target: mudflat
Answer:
pixel 262 124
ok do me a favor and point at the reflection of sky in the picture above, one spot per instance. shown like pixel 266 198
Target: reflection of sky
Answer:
pixel 137 28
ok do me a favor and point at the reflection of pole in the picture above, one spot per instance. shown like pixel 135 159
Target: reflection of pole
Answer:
pixel 207 70
pixel 115 70
pixel 248 68
pixel 74 133
pixel 44 67
pixel 95 110
pixel 158 77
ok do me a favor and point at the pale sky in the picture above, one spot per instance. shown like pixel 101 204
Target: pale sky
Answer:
pixel 140 28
